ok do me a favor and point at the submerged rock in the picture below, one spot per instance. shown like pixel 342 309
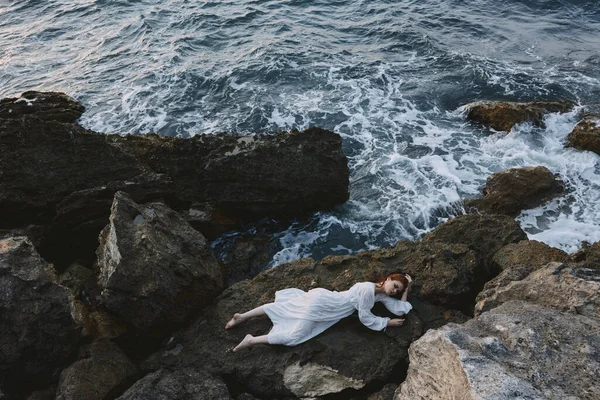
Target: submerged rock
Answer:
pixel 174 385
pixel 556 285
pixel 516 189
pixel 518 350
pixel 155 269
pixel 37 333
pixel 586 134
pixel 503 115
pixel 101 370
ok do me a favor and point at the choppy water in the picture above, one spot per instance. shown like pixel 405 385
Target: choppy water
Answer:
pixel 389 76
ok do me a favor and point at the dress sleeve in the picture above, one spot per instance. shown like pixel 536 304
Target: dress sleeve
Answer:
pixel 395 306
pixel 366 300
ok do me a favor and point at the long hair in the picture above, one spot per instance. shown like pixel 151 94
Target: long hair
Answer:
pixel 395 277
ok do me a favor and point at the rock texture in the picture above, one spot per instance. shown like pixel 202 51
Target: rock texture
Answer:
pixel 556 285
pixel 511 191
pixel 37 333
pixel 100 372
pixel 518 350
pixel 231 178
pixel 530 253
pixel 586 134
pixel 155 269
pixel 174 385
pixel 503 115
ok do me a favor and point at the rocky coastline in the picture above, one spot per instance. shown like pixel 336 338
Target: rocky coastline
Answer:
pixel 110 290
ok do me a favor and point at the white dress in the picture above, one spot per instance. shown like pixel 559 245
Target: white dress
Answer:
pixel 298 315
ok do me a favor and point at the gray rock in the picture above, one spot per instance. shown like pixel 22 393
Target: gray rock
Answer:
pixel 101 370
pixel 174 385
pixel 556 285
pixel 155 269
pixel 518 350
pixel 516 189
pixel 37 333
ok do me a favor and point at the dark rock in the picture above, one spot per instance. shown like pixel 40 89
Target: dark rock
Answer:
pixel 387 393
pixel 502 115
pixel 45 394
pixel 511 191
pixel 155 269
pixel 47 106
pixel 484 234
pixel 530 253
pixel 586 134
pixel 37 333
pixel 101 370
pixel 517 350
pixel 561 286
pixel 192 384
pixel 248 257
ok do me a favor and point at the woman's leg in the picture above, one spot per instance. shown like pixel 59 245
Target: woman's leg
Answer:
pixel 250 341
pixel 238 318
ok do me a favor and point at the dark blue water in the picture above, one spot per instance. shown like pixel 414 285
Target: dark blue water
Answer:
pixel 389 76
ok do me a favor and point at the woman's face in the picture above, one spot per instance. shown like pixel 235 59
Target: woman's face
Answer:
pixel 392 288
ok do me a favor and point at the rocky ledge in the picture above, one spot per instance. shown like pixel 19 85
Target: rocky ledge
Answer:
pixel 586 134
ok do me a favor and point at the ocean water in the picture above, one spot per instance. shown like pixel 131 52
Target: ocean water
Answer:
pixel 389 76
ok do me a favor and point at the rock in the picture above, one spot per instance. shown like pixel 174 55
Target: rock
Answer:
pixel 589 255
pixel 518 350
pixel 531 253
pixel 556 285
pixel 503 115
pixel 387 393
pixel 586 134
pixel 484 234
pixel 37 333
pixel 242 178
pixel 155 269
pixel 98 324
pixel 46 394
pixel 511 191
pixel 47 106
pixel 174 385
pixel 248 256
pixel 101 371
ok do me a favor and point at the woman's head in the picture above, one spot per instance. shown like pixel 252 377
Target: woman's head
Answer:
pixel 393 284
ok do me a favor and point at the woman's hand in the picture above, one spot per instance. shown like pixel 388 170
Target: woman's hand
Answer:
pixel 410 281
pixel 395 322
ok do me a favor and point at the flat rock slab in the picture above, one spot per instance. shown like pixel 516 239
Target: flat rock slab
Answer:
pixel 516 189
pixel 37 333
pixel 518 350
pixel 562 286
pixel 155 269
pixel 503 115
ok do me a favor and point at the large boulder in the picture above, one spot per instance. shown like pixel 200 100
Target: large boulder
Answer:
pixel 586 134
pixel 47 106
pixel 37 333
pixel 155 270
pixel 530 253
pixel 174 385
pixel 503 115
pixel 516 189
pixel 566 288
pixel 518 350
pixel 102 370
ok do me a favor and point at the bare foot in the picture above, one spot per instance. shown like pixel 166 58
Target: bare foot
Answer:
pixel 237 318
pixel 247 342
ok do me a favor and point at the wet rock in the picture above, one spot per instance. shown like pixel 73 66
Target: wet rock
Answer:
pixel 503 115
pixel 155 269
pixel 586 134
pixel 518 350
pixel 556 285
pixel 47 106
pixel 101 371
pixel 531 253
pixel 484 234
pixel 511 191
pixel 192 384
pixel 37 333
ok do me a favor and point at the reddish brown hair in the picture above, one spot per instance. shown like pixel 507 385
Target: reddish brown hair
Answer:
pixel 395 277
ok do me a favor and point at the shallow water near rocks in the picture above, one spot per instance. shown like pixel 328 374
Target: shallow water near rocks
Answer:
pixel 388 76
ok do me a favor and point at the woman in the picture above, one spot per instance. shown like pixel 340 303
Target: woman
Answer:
pixel 298 315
